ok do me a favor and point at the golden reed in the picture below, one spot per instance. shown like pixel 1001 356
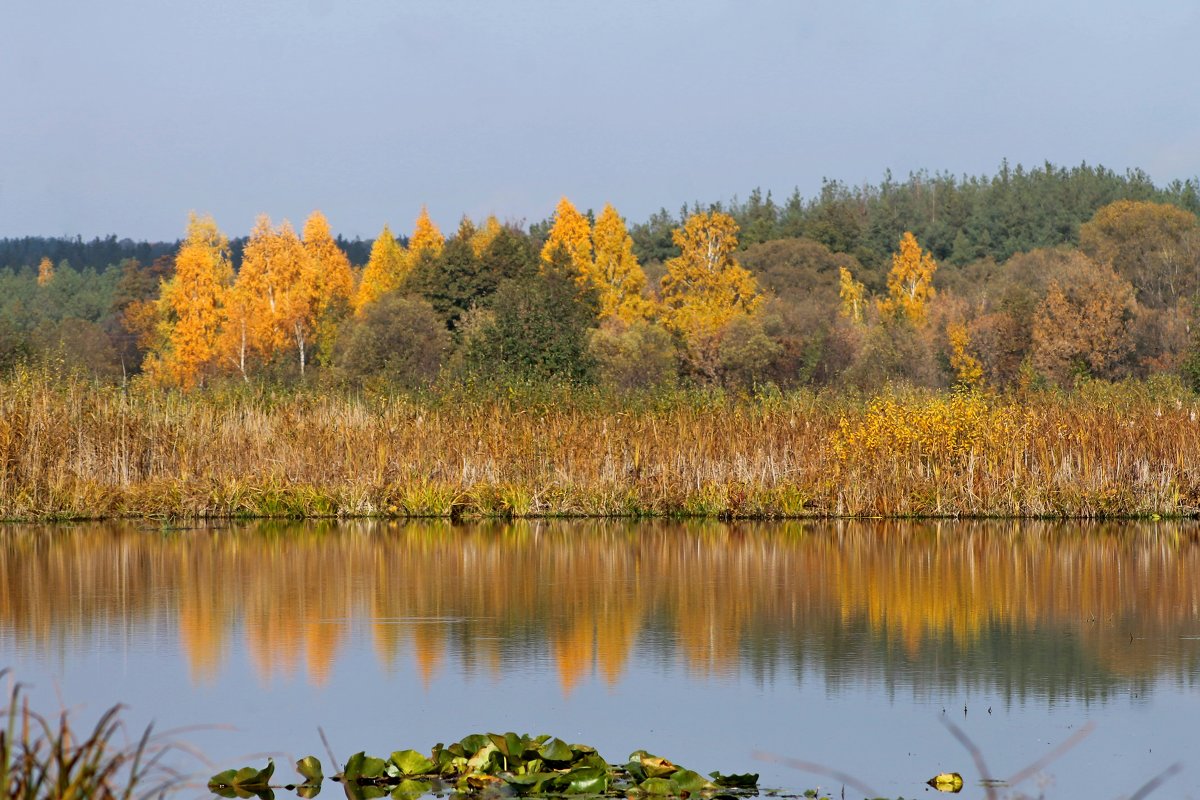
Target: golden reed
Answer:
pixel 70 448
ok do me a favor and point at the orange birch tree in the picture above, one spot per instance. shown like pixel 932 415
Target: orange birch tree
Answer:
pixel 191 306
pixel 705 287
pixel 386 268
pixel 572 232
pixel 426 238
pixel 910 282
pixel 484 234
pixel 615 272
pixel 335 281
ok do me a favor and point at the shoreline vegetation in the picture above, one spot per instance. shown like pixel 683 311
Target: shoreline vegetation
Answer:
pixel 75 448
pixel 1023 345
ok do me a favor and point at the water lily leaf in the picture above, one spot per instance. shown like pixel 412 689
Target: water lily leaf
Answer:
pixel 746 780
pixel 222 779
pixel 556 749
pixel 593 759
pixel 482 761
pixel 457 765
pixel 353 769
pixel 472 744
pixel 407 789
pixel 531 783
pixel 587 780
pixel 362 767
pixel 532 766
pixel 689 781
pixel 510 745
pixel 308 790
pixel 659 786
pixel 656 767
pixel 246 778
pixel 309 768
pixel 410 763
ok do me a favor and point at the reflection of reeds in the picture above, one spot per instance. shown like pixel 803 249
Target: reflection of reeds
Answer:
pixel 717 597
pixel 73 449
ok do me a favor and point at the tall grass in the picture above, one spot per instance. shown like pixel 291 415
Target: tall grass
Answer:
pixel 41 759
pixel 73 449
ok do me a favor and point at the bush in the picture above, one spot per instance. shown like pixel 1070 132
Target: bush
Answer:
pixel 398 339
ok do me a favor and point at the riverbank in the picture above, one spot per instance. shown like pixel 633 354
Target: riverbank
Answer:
pixel 70 448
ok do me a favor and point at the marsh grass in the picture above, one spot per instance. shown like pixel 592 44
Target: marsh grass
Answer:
pixel 70 448
pixel 41 758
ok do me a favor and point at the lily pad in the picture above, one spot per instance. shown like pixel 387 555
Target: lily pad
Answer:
pixel 556 749
pixel 410 764
pixel 587 780
pixel 246 778
pixel 309 768
pixel 658 786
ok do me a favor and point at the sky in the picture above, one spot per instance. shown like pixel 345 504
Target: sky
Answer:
pixel 121 117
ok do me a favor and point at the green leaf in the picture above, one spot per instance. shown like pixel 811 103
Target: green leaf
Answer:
pixel 587 780
pixel 690 782
pixel 247 778
pixel 354 765
pixel 222 778
pixel 473 743
pixel 659 786
pixel 593 759
pixel 556 749
pixel 373 768
pixel 532 783
pixel 482 761
pixel 656 767
pixel 308 790
pixel 745 780
pixel 309 768
pixel 410 763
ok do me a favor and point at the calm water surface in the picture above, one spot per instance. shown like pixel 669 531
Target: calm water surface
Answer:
pixel 840 644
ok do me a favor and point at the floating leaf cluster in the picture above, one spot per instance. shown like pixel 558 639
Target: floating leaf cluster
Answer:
pixel 505 764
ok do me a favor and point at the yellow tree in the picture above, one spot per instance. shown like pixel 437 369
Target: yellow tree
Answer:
pixel 300 292
pixel 572 232
pixel 335 281
pixel 45 271
pixel 484 235
pixel 910 282
pixel 967 368
pixel 190 306
pixel 386 269
pixel 852 293
pixel 426 238
pixel 705 287
pixel 615 272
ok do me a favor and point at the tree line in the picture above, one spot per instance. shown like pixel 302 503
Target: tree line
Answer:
pixel 1026 278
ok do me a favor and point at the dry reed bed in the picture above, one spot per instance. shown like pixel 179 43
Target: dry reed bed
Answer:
pixel 70 448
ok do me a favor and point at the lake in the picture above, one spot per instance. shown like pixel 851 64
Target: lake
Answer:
pixel 847 645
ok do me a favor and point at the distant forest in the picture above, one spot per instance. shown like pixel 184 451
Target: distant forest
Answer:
pixel 1028 276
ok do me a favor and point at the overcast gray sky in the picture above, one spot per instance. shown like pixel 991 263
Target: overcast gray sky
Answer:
pixel 121 116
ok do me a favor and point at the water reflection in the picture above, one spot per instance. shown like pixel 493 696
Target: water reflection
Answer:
pixel 1029 610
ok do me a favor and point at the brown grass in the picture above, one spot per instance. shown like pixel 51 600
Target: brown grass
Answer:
pixel 73 449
